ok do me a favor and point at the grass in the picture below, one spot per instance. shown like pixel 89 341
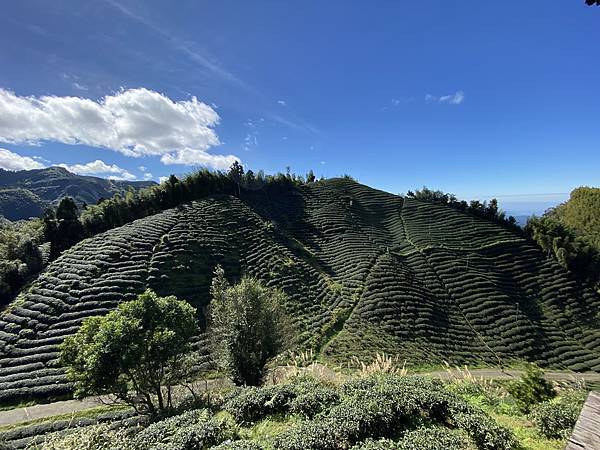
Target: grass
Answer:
pixel 527 435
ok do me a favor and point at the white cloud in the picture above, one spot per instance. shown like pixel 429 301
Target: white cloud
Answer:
pixel 281 102
pixel 453 99
pixel 142 168
pixel 147 176
pixel 135 122
pixel 191 157
pixel 13 161
pixel 161 179
pixel 100 168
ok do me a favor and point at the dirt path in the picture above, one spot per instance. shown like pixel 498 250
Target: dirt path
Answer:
pixel 25 414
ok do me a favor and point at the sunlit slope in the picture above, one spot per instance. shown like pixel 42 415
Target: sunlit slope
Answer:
pixel 365 271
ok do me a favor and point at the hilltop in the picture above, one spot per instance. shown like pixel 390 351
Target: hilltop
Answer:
pixel 27 193
pixel 365 271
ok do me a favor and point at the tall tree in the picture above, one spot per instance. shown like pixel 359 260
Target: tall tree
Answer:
pixel 236 173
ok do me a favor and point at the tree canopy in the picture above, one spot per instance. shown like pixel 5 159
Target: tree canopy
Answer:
pixel 137 352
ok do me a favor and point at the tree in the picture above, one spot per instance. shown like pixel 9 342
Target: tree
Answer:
pixel 137 352
pixel 236 173
pixel 62 228
pixel 247 325
pixel 310 176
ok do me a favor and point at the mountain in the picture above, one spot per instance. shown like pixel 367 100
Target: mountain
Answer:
pixel 365 271
pixel 27 193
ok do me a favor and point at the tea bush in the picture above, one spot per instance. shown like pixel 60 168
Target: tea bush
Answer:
pixel 556 418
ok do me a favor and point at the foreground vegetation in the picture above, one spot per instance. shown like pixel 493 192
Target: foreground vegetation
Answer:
pixel 371 410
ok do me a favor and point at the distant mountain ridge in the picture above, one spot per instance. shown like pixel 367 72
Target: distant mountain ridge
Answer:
pixel 27 193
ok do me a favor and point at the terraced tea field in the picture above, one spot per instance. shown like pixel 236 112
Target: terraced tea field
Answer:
pixel 365 271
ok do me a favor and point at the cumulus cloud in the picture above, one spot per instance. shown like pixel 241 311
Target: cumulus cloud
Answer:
pixel 147 176
pixel 13 161
pixel 135 122
pixel 453 99
pixel 100 168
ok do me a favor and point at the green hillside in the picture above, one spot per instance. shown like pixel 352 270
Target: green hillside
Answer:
pixel 365 271
pixel 19 203
pixel 27 193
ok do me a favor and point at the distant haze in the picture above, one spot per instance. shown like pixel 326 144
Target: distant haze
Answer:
pixel 528 204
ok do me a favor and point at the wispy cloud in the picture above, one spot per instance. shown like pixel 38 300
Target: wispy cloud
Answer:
pixel 452 99
pixel 199 56
pixel 203 59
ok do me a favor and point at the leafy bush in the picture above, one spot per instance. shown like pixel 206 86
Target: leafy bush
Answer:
pixel 556 418
pixel 387 405
pixel 246 326
pixel 95 437
pixel 254 403
pixel 532 388
pixel 193 430
pixel 304 396
pixel 238 445
pixel 433 438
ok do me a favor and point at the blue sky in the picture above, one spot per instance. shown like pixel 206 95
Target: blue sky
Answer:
pixel 476 98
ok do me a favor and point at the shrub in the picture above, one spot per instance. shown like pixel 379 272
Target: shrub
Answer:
pixel 95 437
pixel 532 388
pixel 433 438
pixel 556 418
pixel 193 430
pixel 387 405
pixel 238 445
pixel 304 396
pixel 254 403
pixel 246 326
pixel 137 352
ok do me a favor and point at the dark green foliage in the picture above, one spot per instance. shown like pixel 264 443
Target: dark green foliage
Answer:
pixel 21 256
pixel 385 406
pixel 486 210
pixel 247 326
pixel 193 430
pixel 556 418
pixel 19 204
pixel 433 438
pixel 138 352
pixel 304 396
pixel 254 403
pixel 531 389
pixel 62 227
pixel 570 233
pixel 238 445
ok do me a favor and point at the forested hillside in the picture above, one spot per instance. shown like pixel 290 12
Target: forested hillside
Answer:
pixel 27 193
pixel 364 270
pixel 570 233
